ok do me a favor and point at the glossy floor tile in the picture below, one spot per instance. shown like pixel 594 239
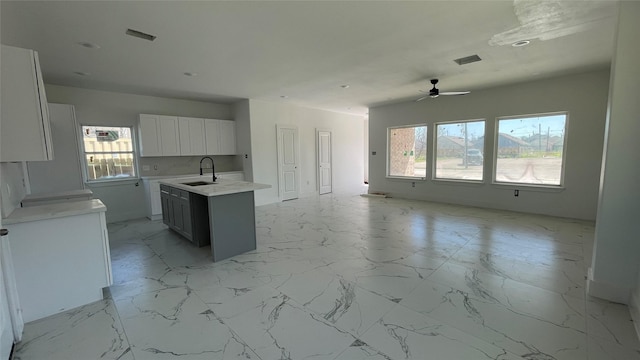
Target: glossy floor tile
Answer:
pixel 350 278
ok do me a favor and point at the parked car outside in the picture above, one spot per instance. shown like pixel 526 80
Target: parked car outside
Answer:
pixel 474 157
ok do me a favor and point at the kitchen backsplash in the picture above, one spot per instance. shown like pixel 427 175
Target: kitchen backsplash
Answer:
pixel 186 165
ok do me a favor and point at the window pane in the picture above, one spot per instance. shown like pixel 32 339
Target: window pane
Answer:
pixel 107 139
pixel 408 151
pixel 459 150
pixel 108 152
pixel 109 166
pixel 530 150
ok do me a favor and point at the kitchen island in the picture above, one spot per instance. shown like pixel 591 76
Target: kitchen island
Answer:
pixel 221 214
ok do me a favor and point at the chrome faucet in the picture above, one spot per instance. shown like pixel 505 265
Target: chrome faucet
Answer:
pixel 213 168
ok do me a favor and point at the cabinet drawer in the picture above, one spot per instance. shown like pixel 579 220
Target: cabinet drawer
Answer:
pixel 164 189
pixel 174 192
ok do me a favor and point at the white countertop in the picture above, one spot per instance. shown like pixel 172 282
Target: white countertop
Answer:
pixel 52 211
pixel 221 186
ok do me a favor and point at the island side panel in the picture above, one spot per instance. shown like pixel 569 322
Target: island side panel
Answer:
pixel 232 223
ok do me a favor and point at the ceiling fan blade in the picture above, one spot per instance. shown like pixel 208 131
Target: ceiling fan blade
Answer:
pixel 454 92
pixel 422 98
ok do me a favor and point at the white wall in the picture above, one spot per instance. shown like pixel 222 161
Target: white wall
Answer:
pixel 13 187
pixel 126 200
pixel 348 147
pixel 617 244
pixel 584 96
pixel 243 137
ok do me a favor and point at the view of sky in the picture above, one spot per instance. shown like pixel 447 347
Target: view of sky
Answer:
pixel 518 127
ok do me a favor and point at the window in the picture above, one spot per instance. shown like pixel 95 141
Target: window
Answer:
pixel 530 150
pixel 108 152
pixel 459 148
pixel 407 151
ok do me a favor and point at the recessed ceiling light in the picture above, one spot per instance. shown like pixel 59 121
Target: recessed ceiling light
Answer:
pixel 521 43
pixel 89 45
pixel 284 96
pixel 188 73
pixel 81 73
pixel 345 86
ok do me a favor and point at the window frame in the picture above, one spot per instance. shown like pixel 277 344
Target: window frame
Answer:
pixel 84 153
pixel 434 163
pixel 388 153
pixel 496 142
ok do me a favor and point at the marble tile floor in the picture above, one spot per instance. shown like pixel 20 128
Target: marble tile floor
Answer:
pixel 350 278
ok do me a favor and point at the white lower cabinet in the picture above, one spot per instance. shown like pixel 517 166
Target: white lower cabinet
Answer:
pixel 152 192
pixel 60 263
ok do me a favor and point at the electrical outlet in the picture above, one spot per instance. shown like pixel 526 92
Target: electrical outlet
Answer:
pixel 516 193
pixel 413 184
pixel 155 167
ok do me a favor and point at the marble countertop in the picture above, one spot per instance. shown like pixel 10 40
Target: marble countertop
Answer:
pixel 158 177
pixel 53 211
pixel 221 186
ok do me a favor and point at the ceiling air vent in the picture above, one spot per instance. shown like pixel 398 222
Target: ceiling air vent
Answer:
pixel 140 34
pixel 467 60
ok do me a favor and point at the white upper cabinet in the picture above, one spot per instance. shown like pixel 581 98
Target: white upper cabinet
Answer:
pixel 227 137
pixel 25 129
pixel 220 137
pixel 212 133
pixel 169 135
pixel 159 135
pixel 192 139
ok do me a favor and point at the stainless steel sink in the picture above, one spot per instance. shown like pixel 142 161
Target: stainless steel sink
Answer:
pixel 198 183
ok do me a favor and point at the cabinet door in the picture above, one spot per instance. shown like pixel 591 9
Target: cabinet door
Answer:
pixel 149 134
pixel 227 137
pixel 165 198
pixel 192 138
pixel 25 130
pixel 212 130
pixel 169 135
pixel 177 222
pixel 187 226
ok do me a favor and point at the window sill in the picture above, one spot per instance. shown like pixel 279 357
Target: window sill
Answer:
pixel 114 182
pixel 458 182
pixel 529 187
pixel 407 178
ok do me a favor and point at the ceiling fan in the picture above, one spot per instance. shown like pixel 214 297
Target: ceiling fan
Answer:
pixel 434 93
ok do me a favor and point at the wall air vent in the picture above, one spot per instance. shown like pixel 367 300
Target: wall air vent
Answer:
pixel 140 34
pixel 467 60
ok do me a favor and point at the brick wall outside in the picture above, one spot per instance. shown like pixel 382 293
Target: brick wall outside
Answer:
pixel 402 152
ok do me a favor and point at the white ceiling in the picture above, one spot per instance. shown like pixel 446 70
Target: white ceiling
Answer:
pixel 386 51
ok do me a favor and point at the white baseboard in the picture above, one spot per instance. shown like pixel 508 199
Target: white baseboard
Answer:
pixel 607 291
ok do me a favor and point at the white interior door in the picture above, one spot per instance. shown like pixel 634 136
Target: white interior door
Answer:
pixel 324 161
pixel 288 162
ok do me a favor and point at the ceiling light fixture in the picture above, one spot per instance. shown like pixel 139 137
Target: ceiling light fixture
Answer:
pixel 81 73
pixel 89 45
pixel 189 73
pixel 345 86
pixel 284 96
pixel 521 43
